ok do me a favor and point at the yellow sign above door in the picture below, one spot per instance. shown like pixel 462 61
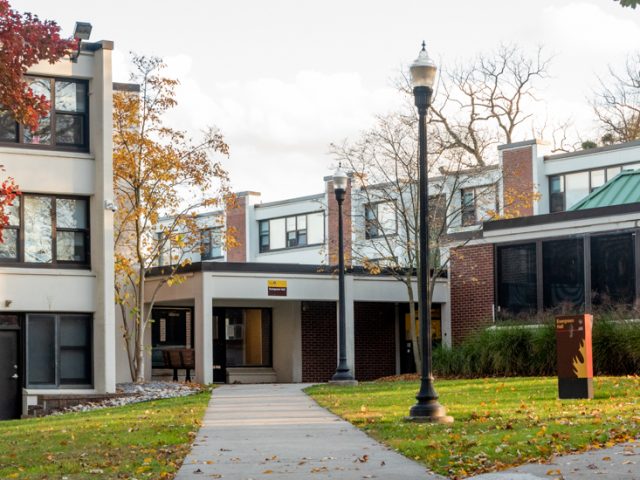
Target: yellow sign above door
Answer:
pixel 277 288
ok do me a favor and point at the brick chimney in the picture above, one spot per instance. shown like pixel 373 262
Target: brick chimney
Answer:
pixel 238 223
pixel 520 177
pixel 332 233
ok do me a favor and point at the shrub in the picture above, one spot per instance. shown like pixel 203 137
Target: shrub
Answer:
pixel 530 350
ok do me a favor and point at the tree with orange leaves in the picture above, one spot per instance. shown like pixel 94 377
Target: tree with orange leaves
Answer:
pixel 162 179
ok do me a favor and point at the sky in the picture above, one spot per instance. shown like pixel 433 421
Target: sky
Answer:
pixel 283 79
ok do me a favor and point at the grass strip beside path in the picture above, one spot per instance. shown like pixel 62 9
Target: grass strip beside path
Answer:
pixel 143 440
pixel 499 422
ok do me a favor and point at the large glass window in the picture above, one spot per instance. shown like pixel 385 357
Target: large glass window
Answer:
pixel 612 269
pixel 563 273
pixel 59 350
pixel 291 232
pixel 65 125
pixel 517 289
pixel 47 230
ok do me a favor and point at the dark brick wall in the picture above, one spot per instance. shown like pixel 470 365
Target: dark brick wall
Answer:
pixel 319 341
pixel 375 340
pixel 472 289
pixel 518 181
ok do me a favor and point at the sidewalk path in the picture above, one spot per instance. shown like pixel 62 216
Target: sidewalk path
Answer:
pixel 621 462
pixel 277 432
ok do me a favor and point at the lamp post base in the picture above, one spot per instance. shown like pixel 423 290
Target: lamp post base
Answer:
pixel 343 383
pixel 429 412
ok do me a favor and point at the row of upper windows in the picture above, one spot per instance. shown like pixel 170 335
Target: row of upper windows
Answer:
pixel 67 124
pixel 291 232
pixel 567 189
pixel 46 230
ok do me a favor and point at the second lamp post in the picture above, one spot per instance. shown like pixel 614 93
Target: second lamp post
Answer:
pixel 343 374
pixel 427 409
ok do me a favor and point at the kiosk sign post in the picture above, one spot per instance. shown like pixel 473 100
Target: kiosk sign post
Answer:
pixel 575 359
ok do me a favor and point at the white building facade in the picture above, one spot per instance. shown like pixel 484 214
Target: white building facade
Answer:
pixel 57 327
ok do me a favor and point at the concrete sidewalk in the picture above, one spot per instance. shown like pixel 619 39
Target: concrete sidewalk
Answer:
pixel 278 432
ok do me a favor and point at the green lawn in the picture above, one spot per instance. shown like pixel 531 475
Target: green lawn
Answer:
pixel 144 440
pixel 499 422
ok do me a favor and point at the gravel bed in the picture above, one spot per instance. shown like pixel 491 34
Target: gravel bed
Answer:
pixel 136 393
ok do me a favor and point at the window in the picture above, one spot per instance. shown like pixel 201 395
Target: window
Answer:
pixel 380 219
pixel 563 273
pixel 613 276
pixel 517 289
pixel 468 207
pixel 65 126
pixel 556 191
pixel 296 231
pixel 58 350
pixel 211 243
pixel 478 204
pixel 47 230
pixel 568 189
pixel 291 232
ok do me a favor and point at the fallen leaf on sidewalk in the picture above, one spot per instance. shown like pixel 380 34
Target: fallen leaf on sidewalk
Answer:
pixel 268 472
pixel 554 472
pixel 319 469
pixel 362 459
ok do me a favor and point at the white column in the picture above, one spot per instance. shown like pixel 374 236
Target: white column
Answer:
pixel 102 261
pixel 203 340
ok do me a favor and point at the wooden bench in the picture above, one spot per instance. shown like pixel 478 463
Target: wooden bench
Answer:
pixel 179 358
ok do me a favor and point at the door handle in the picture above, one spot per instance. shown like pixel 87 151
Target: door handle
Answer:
pixel 14 376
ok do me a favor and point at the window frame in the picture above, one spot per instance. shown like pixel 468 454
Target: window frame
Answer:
pixel 375 221
pixel 208 232
pixel 19 261
pixel 89 349
pixel 53 112
pixel 266 233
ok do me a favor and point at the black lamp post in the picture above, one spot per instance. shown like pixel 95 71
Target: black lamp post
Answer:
pixel 343 374
pixel 427 409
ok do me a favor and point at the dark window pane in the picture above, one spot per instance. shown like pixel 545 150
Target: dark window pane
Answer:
pixel 563 274
pixel 556 184
pixel 8 127
pixel 38 243
pixel 74 331
pixel 71 213
pixel 69 129
pixel 41 350
pixel 612 269
pixel 557 202
pixel 9 244
pixel 75 367
pixel 517 278
pixel 302 237
pixel 71 96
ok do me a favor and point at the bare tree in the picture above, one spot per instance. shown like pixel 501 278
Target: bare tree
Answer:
pixel 475 107
pixel 484 102
pixel 617 103
pixel 385 195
